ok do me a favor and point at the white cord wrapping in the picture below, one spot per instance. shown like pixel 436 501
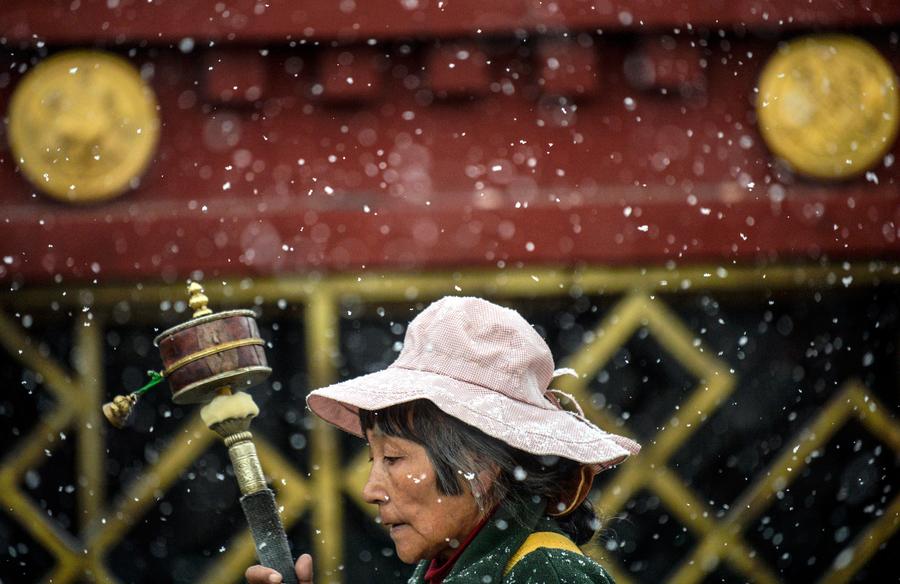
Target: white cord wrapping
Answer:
pixel 572 398
pixel 564 371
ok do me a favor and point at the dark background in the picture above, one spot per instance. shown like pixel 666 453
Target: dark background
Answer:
pixel 790 352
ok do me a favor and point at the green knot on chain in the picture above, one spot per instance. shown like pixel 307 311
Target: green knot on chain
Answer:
pixel 155 379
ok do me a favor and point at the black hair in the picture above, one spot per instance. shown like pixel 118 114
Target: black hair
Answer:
pixel 459 453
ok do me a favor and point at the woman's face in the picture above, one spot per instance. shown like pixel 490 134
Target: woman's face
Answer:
pixel 423 523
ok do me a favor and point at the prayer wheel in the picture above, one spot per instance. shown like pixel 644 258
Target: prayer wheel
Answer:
pixel 209 360
pixel 210 352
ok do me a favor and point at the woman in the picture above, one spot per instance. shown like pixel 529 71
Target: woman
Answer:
pixel 477 471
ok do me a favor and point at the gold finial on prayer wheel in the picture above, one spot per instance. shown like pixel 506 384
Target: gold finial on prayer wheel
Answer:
pixel 119 409
pixel 198 300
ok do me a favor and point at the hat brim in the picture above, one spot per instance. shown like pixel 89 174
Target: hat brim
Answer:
pixel 524 426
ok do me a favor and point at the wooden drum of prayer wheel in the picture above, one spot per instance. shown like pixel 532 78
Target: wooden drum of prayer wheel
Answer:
pixel 212 351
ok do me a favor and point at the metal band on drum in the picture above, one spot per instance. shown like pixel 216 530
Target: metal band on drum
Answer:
pixel 211 351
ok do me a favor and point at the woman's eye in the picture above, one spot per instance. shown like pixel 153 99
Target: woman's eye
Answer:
pixel 391 459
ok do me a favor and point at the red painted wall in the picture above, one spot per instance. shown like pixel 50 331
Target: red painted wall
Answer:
pixel 315 174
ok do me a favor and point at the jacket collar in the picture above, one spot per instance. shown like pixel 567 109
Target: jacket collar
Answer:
pixel 495 544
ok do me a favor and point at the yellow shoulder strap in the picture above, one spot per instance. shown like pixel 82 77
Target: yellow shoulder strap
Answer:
pixel 541 539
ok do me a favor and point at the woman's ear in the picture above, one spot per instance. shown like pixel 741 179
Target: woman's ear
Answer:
pixel 488 476
pixel 483 485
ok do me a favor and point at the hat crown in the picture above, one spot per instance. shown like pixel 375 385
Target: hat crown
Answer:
pixel 478 342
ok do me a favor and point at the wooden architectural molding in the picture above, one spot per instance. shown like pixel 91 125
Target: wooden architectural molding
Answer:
pixel 458 70
pixel 566 67
pixel 667 63
pixel 234 75
pixel 58 22
pixel 347 74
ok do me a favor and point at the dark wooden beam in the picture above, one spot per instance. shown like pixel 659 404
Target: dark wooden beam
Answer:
pixel 234 239
pixel 170 21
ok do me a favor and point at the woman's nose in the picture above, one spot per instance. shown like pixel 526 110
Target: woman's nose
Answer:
pixel 374 491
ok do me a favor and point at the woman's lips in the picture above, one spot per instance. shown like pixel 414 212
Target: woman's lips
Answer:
pixel 396 526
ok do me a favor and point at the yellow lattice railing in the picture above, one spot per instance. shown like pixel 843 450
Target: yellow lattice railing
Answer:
pixel 719 540
pixel 78 394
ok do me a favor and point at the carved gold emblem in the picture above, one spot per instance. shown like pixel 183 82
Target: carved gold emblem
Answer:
pixel 83 125
pixel 828 105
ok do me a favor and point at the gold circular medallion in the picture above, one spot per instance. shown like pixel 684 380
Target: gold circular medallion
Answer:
pixel 828 105
pixel 83 125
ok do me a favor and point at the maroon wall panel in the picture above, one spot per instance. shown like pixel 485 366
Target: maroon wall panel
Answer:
pixel 298 177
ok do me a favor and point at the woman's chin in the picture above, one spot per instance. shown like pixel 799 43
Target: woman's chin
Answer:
pixel 408 556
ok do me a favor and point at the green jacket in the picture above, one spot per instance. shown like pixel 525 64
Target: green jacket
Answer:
pixel 482 562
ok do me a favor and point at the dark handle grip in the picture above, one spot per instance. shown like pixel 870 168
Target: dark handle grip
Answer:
pixel 272 547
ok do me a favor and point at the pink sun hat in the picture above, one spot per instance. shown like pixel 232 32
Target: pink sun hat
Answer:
pixel 486 366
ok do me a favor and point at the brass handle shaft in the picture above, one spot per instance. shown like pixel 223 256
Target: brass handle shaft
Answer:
pixel 246 465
